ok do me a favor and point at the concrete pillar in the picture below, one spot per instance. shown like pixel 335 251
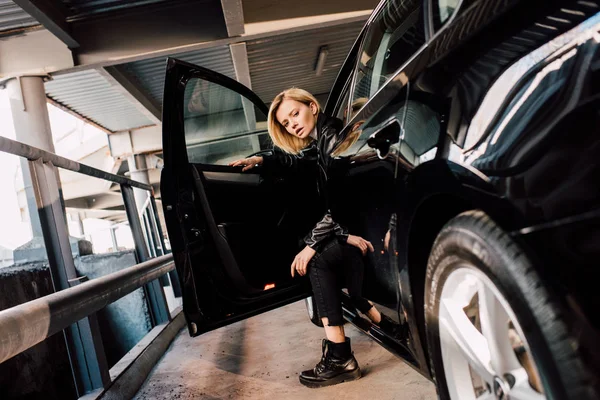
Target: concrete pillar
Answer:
pixel 32 126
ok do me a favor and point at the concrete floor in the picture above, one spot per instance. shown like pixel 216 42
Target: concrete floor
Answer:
pixel 260 358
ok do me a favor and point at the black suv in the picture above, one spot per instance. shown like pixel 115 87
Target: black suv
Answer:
pixel 473 126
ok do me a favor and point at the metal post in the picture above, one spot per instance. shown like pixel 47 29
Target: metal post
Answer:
pixel 158 250
pixel 154 291
pixel 84 343
pixel 157 227
pixel 90 337
pixel 153 239
pixel 149 234
pixel 173 274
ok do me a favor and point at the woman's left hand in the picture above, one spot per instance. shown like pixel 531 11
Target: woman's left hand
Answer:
pixel 301 261
pixel 247 163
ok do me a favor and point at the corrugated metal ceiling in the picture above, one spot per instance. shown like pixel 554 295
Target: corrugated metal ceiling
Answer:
pixel 275 63
pixel 13 17
pixel 92 96
pixel 150 74
pixel 279 62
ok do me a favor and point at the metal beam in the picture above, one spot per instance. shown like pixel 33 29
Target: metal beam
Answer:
pixel 33 53
pixel 253 32
pixel 167 24
pixel 239 56
pixel 52 15
pixel 234 17
pixel 132 91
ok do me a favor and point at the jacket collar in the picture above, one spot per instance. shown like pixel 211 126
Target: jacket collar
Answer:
pixel 324 123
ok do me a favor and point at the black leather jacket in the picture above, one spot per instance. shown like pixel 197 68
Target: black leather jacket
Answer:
pixel 316 154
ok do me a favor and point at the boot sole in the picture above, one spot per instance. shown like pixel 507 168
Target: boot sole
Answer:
pixel 345 377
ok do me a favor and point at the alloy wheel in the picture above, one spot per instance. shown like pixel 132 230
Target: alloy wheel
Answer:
pixel 484 351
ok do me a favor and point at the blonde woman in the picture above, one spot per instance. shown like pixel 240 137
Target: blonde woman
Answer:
pixel 304 135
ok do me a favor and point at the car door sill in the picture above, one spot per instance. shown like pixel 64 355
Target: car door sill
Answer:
pixel 399 349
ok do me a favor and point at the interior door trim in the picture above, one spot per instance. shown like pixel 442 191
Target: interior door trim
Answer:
pixel 229 263
pixel 246 179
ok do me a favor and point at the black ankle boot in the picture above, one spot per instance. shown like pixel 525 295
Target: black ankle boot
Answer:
pixel 336 366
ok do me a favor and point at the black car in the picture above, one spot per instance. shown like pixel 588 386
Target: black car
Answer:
pixel 474 127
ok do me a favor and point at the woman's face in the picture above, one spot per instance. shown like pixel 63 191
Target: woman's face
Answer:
pixel 297 118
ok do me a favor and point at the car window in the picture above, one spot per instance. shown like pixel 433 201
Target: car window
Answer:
pixel 221 125
pixel 442 10
pixel 392 38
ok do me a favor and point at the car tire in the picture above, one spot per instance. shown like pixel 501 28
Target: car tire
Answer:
pixel 313 313
pixel 476 270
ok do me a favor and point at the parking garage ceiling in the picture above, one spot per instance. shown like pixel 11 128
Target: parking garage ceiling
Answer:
pixel 105 59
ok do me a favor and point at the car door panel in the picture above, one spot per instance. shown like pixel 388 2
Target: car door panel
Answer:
pixel 362 181
pixel 231 250
pixel 247 210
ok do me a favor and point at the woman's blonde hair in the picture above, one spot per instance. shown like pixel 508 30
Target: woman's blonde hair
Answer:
pixel 279 135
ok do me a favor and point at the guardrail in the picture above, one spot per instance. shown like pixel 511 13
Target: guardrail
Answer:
pixel 34 154
pixel 73 305
pixel 28 324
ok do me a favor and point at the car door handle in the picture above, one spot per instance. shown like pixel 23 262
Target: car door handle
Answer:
pixel 384 137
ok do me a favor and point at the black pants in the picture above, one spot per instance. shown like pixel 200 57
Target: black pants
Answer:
pixel 338 265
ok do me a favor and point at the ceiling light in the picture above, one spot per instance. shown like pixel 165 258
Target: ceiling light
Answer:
pixel 321 57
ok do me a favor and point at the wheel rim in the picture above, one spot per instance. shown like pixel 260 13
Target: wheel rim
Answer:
pixel 484 351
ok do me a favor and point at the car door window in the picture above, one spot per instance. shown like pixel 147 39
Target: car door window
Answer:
pixel 392 38
pixel 221 125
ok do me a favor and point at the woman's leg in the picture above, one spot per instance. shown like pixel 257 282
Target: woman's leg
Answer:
pixel 337 364
pixel 374 315
pixel 354 270
pixel 324 281
pixel 334 333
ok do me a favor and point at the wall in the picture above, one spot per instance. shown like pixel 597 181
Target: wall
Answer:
pixel 43 369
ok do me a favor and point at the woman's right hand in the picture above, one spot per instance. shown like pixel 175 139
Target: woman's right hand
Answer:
pixel 360 243
pixel 247 163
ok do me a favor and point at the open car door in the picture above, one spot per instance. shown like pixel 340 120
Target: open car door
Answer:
pixel 230 233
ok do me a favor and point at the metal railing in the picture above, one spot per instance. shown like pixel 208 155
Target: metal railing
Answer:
pixel 73 306
pixel 28 324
